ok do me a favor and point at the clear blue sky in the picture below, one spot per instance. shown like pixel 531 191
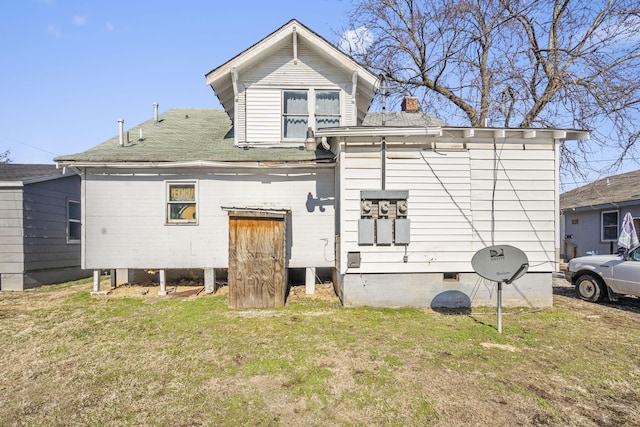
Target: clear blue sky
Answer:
pixel 71 68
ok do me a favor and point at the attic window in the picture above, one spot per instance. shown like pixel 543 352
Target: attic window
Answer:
pixel 313 108
pixel 295 114
pixel 327 109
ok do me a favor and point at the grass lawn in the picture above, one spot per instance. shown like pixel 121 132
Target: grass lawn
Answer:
pixel 67 358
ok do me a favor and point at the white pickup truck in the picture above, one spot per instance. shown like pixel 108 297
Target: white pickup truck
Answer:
pixel 599 276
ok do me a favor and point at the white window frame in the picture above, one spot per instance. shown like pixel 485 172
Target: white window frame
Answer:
pixel 284 116
pixel 169 203
pixel 74 221
pixel 311 110
pixel 316 115
pixel 602 225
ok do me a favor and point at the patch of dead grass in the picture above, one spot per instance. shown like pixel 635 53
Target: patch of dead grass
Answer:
pixel 69 359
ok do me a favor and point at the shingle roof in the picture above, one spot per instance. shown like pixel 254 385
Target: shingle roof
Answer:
pixel 192 134
pixel 187 134
pixel 24 172
pixel 614 189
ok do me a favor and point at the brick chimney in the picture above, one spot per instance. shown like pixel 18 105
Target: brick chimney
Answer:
pixel 410 104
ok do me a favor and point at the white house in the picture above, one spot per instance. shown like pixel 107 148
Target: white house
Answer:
pixel 297 174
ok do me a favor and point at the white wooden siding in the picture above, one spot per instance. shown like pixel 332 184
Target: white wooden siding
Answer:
pixel 264 118
pixel 458 204
pixel 240 119
pixel 137 237
pixel 259 119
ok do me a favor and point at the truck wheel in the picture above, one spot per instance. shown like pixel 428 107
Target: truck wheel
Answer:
pixel 590 288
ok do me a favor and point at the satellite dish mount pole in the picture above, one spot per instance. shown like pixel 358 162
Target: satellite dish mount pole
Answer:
pixel 499 307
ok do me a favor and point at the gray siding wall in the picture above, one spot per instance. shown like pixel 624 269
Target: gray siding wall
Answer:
pixel 11 240
pixel 45 224
pixel 125 216
pixel 586 232
pixel 33 234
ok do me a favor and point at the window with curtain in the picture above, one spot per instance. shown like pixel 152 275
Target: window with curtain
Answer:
pixel 295 114
pixel 327 109
pixel 609 226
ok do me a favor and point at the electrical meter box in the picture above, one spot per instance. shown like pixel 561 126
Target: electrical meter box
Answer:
pixel 383 208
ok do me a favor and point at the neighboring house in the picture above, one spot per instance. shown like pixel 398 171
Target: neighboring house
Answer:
pixel 296 173
pixel 40 227
pixel 592 214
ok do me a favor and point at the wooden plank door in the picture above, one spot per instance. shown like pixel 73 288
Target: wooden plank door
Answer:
pixel 256 262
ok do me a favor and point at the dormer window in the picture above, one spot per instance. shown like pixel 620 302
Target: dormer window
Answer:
pixel 297 115
pixel 327 109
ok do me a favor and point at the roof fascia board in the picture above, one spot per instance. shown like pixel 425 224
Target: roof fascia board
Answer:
pixel 468 134
pixel 601 206
pixel 27 181
pixel 197 164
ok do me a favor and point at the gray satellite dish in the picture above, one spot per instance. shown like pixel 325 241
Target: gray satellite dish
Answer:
pixel 500 263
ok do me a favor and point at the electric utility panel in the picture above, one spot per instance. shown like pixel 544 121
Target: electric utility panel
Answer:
pixel 383 217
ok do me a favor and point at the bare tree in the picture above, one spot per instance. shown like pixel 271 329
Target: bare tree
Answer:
pixel 514 63
pixel 4 157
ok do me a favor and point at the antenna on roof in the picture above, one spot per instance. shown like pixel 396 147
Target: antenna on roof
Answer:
pixel 383 86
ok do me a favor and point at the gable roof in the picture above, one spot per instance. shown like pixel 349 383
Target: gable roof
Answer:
pixel 612 191
pixel 19 174
pixel 187 135
pixel 223 79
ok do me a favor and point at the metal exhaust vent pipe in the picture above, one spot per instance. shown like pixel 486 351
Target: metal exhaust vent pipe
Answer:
pixel 121 132
pixel 155 111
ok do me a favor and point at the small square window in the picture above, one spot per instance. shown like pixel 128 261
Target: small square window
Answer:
pixel 181 204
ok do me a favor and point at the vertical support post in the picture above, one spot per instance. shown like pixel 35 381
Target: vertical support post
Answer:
pixel 310 280
pixel 113 277
pixel 209 280
pixel 96 280
pixel 163 283
pixel 500 307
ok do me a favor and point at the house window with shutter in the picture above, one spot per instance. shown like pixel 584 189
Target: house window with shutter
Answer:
pixel 74 218
pixel 609 227
pixel 181 203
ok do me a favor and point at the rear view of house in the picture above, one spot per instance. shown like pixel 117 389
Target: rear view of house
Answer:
pixel 298 173
pixel 40 228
